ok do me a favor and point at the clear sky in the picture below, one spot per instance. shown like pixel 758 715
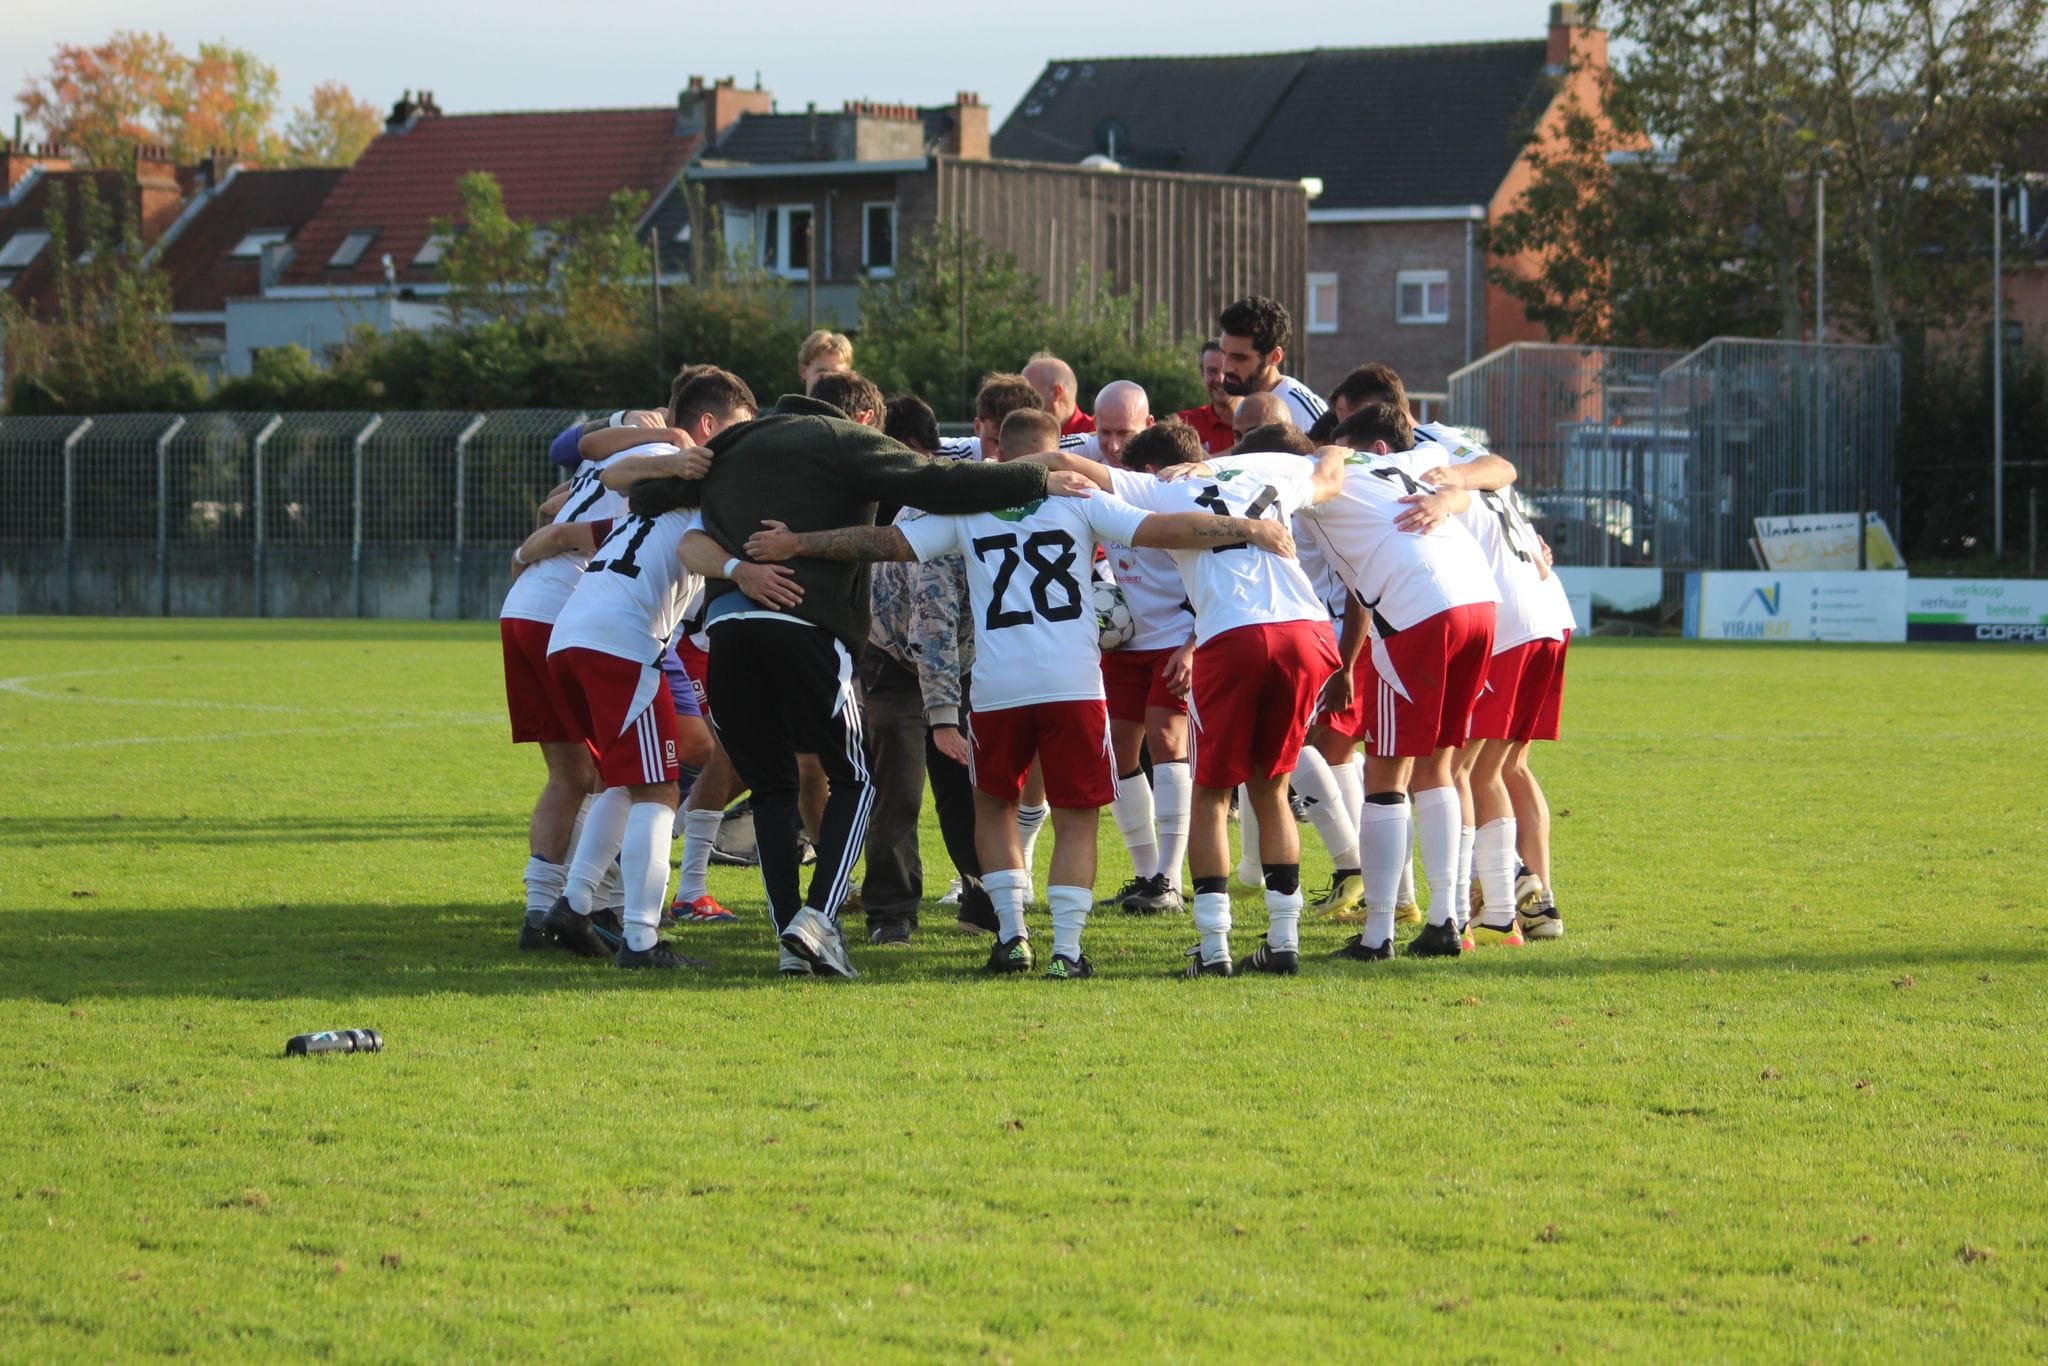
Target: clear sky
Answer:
pixel 548 54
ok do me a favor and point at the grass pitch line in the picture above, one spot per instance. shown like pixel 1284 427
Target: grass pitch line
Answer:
pixel 229 737
pixel 20 688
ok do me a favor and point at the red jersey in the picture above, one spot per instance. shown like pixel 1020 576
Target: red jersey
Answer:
pixel 1217 436
pixel 1079 422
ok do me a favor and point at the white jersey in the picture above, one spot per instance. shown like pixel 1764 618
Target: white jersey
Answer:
pixel 1233 586
pixel 969 447
pixel 1161 615
pixel 632 593
pixel 1304 403
pixel 1533 604
pixel 1402 576
pixel 538 593
pixel 1028 569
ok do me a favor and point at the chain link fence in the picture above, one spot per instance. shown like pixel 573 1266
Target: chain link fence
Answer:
pixel 1664 459
pixel 409 514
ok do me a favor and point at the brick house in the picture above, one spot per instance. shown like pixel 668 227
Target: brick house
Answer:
pixel 1408 151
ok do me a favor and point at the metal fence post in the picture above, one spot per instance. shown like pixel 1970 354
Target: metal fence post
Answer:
pixel 355 548
pixel 476 424
pixel 71 504
pixel 163 516
pixel 256 557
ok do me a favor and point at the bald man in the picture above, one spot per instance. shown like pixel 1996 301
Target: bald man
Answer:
pixel 1122 410
pixel 1057 388
pixel 1259 410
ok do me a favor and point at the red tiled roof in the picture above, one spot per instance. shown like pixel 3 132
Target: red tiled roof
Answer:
pixel 551 166
pixel 36 283
pixel 203 276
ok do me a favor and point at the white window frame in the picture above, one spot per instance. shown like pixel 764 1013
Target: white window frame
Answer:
pixel 1323 279
pixel 1422 279
pixel 737 228
pixel 250 248
pixel 867 247
pixel 23 248
pixel 433 250
pixel 784 268
pixel 343 258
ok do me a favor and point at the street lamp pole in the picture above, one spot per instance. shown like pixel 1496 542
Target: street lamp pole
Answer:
pixel 1998 360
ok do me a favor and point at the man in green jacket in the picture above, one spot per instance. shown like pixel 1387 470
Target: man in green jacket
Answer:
pixel 784 638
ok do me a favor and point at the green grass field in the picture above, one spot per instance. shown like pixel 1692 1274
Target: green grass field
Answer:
pixel 1779 1094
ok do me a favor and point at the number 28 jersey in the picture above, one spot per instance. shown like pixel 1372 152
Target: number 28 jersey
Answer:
pixel 1028 570
pixel 633 591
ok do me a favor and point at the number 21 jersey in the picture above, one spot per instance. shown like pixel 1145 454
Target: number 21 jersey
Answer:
pixel 1035 637
pixel 632 592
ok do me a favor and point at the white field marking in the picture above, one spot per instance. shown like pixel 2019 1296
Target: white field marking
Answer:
pixel 20 687
pixel 233 736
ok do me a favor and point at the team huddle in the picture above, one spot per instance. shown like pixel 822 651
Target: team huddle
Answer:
pixel 1269 600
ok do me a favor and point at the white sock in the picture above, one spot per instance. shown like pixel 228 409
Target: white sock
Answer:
pixel 1383 837
pixel 1006 889
pixel 1132 810
pixel 700 832
pixel 543 884
pixel 1173 797
pixel 1069 916
pixel 1250 872
pixel 1326 810
pixel 597 848
pixel 1351 782
pixel 1406 895
pixel 1437 822
pixel 1030 820
pixel 644 855
pixel 1493 863
pixel 1283 920
pixel 1212 920
pixel 611 889
pixel 1462 897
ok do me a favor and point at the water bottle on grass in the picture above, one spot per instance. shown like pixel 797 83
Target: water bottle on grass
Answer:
pixel 334 1041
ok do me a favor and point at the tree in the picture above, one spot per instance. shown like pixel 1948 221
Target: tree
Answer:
pixel 1725 114
pixel 101 101
pixel 110 347
pixel 332 129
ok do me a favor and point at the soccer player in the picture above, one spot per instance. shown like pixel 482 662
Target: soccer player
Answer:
pixel 1255 335
pixel 1146 682
pixel 1122 410
pixel 1059 392
pixel 1263 652
pixel 1037 683
pixel 1431 603
pixel 782 661
pixel 546 569
pixel 1211 421
pixel 614 627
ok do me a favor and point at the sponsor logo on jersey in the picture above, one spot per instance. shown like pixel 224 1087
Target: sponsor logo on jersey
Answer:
pixel 1018 514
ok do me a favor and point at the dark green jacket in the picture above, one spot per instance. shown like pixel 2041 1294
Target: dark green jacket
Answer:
pixel 804 464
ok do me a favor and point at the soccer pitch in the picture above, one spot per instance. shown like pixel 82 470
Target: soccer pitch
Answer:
pixel 1778 1094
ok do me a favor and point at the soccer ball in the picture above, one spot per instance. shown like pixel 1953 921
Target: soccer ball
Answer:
pixel 1113 615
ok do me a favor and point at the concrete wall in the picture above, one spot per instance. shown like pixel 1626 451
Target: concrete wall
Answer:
pixel 316 324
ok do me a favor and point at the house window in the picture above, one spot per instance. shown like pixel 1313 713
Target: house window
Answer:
pixel 785 238
pixel 433 249
pixel 878 239
pixel 1322 301
pixel 738 227
pixel 1422 296
pixel 250 248
pixel 22 247
pixel 352 248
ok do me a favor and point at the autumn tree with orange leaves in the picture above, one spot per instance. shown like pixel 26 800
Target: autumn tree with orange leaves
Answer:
pixel 136 87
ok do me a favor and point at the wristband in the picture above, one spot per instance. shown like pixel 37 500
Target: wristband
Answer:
pixel 730 565
pixel 617 419
pixel 518 558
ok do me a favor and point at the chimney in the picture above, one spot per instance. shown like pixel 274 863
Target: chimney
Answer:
pixel 19 159
pixel 725 102
pixel 402 114
pixel 1571 38
pixel 969 141
pixel 158 193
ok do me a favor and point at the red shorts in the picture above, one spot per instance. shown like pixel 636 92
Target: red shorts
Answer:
pixel 1428 680
pixel 1255 689
pixel 1350 722
pixel 624 710
pixel 698 665
pixel 1524 693
pixel 1135 680
pixel 1072 738
pixel 540 714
